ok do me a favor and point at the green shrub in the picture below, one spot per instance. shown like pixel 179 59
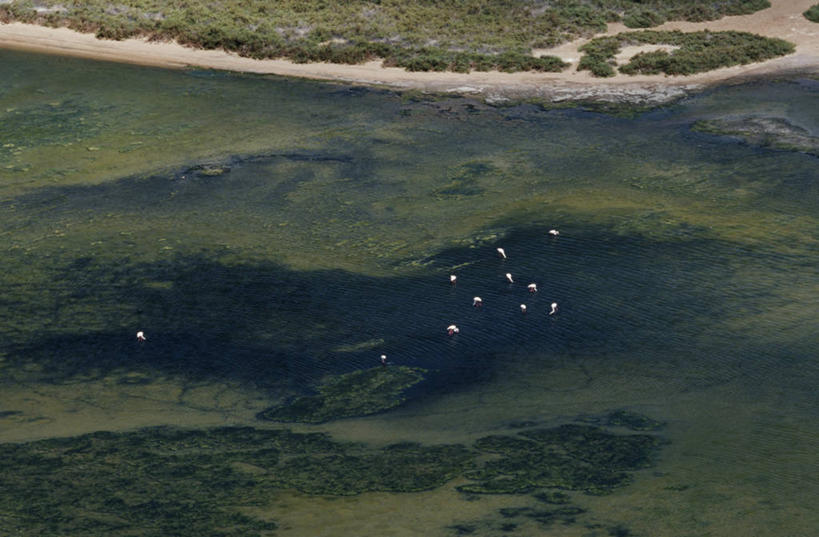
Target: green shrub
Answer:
pixel 696 13
pixel 696 52
pixel 647 63
pixel 812 14
pixel 744 7
pixel 643 18
pixel 598 67
pixel 599 55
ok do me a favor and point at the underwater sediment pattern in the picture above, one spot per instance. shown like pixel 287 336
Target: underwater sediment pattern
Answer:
pixel 273 238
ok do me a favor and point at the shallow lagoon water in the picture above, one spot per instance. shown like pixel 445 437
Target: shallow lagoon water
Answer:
pixel 267 232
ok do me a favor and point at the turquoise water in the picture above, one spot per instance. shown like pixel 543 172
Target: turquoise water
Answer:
pixel 267 232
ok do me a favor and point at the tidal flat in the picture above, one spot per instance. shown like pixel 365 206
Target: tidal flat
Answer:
pixel 267 233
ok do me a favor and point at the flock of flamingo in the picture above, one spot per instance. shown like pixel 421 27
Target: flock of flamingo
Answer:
pixel 478 301
pixel 453 279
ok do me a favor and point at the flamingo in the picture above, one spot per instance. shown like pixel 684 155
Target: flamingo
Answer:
pixel 452 329
pixel 452 279
pixel 383 359
pixel 502 253
pixel 532 288
pixel 554 308
pixel 509 277
pixel 477 302
pixel 141 336
pixel 554 232
pixel 523 308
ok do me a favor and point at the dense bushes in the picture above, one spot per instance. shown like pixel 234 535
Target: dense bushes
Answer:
pixel 598 56
pixel 458 35
pixel 694 52
pixel 812 14
pixel 643 18
pixel 649 13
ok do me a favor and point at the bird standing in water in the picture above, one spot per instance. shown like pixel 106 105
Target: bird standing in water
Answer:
pixel 509 277
pixel 452 279
pixel 141 336
pixel 502 253
pixel 452 329
pixel 554 308
pixel 477 302
pixel 383 359
pixel 554 232
pixel 532 288
pixel 523 308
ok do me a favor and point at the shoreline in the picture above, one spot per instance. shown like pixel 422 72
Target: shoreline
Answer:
pixel 781 20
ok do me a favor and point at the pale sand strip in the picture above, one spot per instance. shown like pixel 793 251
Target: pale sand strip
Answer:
pixel 784 19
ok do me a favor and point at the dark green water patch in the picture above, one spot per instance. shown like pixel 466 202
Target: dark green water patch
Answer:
pixel 465 180
pixel 553 497
pixel 565 515
pixel 58 122
pixel 202 318
pixel 359 393
pixel 624 418
pixel 219 315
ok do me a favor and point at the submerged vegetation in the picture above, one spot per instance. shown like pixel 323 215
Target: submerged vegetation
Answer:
pixel 633 421
pixel 771 132
pixel 569 457
pixel 165 481
pixel 352 394
pixel 417 35
pixel 688 53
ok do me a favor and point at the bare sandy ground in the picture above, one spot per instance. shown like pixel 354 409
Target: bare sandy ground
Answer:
pixel 784 20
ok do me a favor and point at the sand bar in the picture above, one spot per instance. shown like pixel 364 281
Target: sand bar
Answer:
pixel 784 20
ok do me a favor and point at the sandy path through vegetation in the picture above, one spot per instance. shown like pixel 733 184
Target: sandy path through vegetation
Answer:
pixel 784 20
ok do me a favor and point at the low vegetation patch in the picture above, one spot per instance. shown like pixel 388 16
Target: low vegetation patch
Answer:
pixel 353 394
pixel 769 132
pixel 172 481
pixel 812 14
pixel 457 35
pixel 696 52
pixel 633 421
pixel 569 457
pixel 168 481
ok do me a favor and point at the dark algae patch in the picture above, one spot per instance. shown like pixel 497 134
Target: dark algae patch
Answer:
pixel 569 457
pixel 171 481
pixel 549 464
pixel 164 481
pixel 633 421
pixel 404 467
pixel 554 497
pixel 352 394
pixel 770 132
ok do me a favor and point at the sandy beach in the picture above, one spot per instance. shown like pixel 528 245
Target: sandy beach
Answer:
pixel 783 20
